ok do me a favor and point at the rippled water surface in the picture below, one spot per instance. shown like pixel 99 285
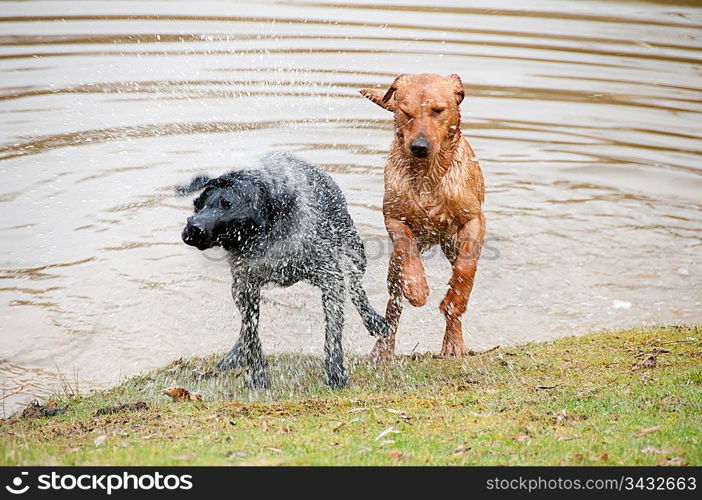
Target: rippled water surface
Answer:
pixel 585 116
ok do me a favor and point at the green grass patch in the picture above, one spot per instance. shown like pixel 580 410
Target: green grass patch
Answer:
pixel 573 401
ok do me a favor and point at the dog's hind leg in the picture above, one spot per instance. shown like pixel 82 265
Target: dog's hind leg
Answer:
pixel 248 347
pixel 333 294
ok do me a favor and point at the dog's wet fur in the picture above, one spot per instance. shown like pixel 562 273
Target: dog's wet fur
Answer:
pixel 434 191
pixel 280 223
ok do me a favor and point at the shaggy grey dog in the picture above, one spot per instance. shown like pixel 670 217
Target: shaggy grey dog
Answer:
pixel 283 222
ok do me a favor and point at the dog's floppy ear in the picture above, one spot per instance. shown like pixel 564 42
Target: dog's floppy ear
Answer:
pixel 458 87
pixel 376 96
pixel 383 100
pixel 197 184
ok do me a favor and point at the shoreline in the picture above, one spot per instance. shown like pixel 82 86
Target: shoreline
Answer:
pixel 628 397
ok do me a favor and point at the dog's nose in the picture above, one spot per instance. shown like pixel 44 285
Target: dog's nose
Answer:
pixel 193 233
pixel 420 148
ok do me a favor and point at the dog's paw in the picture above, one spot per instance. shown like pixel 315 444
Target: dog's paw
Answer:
pixel 415 289
pixel 230 362
pixel 257 380
pixel 336 379
pixel 382 351
pixel 453 350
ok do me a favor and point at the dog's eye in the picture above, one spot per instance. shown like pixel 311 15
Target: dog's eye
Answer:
pixel 437 111
pixel 226 204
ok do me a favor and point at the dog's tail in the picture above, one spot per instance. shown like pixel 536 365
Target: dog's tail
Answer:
pixel 356 257
pixel 197 184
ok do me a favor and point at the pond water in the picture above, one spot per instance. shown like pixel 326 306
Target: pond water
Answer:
pixel 585 117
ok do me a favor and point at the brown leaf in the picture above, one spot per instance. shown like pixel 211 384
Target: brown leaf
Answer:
pixel 178 393
pixel 488 351
pixel 649 362
pixel 647 430
pixel 181 394
pixel 673 462
pixel 395 454
pixel 579 457
pixel 339 426
pixel 604 457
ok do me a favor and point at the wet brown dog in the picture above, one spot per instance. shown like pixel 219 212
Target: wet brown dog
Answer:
pixel 434 190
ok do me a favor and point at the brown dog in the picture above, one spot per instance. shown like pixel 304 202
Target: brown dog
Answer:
pixel 434 189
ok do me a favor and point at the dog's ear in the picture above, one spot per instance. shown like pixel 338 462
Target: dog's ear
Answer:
pixel 377 97
pixel 457 87
pixel 197 184
pixel 383 100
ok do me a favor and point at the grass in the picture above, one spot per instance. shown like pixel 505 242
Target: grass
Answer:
pixel 573 401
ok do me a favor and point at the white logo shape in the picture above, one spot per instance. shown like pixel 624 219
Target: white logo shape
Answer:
pixel 17 482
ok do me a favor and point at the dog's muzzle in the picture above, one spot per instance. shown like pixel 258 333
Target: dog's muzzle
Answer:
pixel 195 235
pixel 420 148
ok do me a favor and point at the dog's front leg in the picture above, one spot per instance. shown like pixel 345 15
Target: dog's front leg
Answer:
pixel 248 347
pixel 333 294
pixel 469 241
pixel 405 277
pixel 405 258
pixel 234 359
pixel 384 349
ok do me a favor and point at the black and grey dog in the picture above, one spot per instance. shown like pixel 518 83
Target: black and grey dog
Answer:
pixel 283 222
